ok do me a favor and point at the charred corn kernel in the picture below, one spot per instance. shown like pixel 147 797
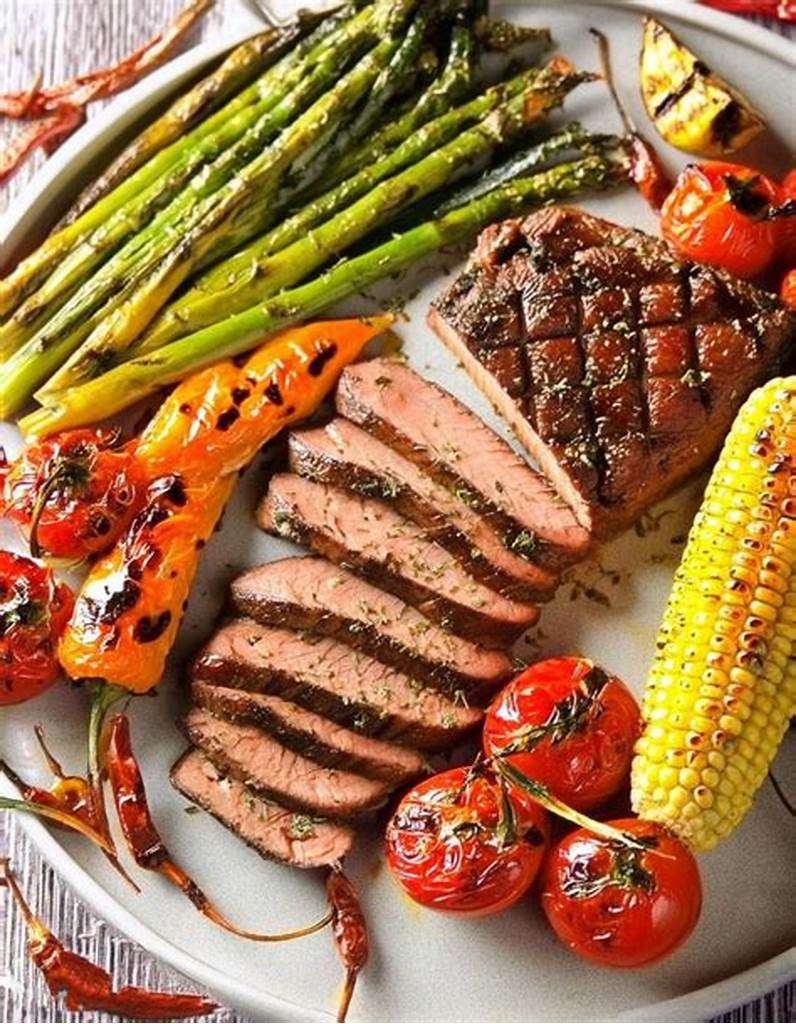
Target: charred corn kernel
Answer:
pixel 722 686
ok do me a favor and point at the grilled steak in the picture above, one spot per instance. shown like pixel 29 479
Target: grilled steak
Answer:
pixel 347 456
pixel 313 594
pixel 258 760
pixel 619 367
pixel 434 430
pixel 318 738
pixel 334 680
pixel 393 552
pixel 273 831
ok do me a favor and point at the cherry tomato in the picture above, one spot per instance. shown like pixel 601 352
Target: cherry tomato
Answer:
pixel 74 493
pixel 459 843
pixel 618 906
pixel 720 213
pixel 34 610
pixel 787 290
pixel 568 725
pixel 788 224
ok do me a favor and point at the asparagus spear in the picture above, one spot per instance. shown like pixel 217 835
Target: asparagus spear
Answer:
pixel 215 195
pixel 458 137
pixel 131 381
pixel 453 84
pixel 36 267
pixel 214 222
pixel 572 137
pixel 286 88
pixel 245 63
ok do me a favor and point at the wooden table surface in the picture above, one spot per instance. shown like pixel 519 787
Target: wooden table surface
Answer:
pixel 61 38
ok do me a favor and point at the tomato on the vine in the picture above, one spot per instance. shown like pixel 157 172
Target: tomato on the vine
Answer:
pixel 726 215
pixel 72 494
pixel 34 610
pixel 569 725
pixel 620 906
pixel 459 842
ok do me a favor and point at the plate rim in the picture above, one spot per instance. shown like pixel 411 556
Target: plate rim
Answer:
pixel 700 1003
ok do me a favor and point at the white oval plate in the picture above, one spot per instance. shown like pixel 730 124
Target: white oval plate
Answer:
pixel 425 966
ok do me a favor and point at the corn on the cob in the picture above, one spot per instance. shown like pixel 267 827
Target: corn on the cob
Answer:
pixel 723 681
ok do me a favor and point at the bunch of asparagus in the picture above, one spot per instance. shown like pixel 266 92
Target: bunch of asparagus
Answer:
pixel 309 140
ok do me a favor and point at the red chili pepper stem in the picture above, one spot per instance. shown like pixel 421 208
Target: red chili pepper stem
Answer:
pixel 145 843
pixel 646 170
pixel 103 697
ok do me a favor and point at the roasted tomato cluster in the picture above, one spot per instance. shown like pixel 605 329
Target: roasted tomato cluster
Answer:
pixel 472 840
pixel 73 494
pixel 735 218
pixel 34 609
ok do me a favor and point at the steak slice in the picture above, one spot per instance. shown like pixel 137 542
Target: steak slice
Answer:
pixel 273 831
pixel 345 455
pixel 435 431
pixel 334 680
pixel 318 738
pixel 619 367
pixel 314 594
pixel 258 760
pixel 394 553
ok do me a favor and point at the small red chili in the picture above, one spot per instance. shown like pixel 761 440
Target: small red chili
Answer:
pixel 350 932
pixel 145 843
pixel 645 167
pixel 88 987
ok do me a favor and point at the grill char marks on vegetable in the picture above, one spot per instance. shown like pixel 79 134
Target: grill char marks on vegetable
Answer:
pixel 275 832
pixel 393 552
pixel 333 680
pixel 619 368
pixel 436 432
pixel 346 456
pixel 313 594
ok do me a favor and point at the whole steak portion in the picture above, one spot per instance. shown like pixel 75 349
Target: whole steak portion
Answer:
pixel 619 367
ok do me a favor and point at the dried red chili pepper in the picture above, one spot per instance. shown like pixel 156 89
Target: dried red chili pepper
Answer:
pixel 59 109
pixel 88 987
pixel 70 803
pixel 646 170
pixel 350 932
pixel 785 10
pixel 146 845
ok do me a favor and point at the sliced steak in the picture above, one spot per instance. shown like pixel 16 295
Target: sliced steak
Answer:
pixel 314 594
pixel 273 831
pixel 393 552
pixel 258 760
pixel 334 680
pixel 619 367
pixel 318 738
pixel 434 430
pixel 345 455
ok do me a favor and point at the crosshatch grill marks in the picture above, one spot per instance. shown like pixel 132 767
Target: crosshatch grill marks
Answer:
pixel 634 363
